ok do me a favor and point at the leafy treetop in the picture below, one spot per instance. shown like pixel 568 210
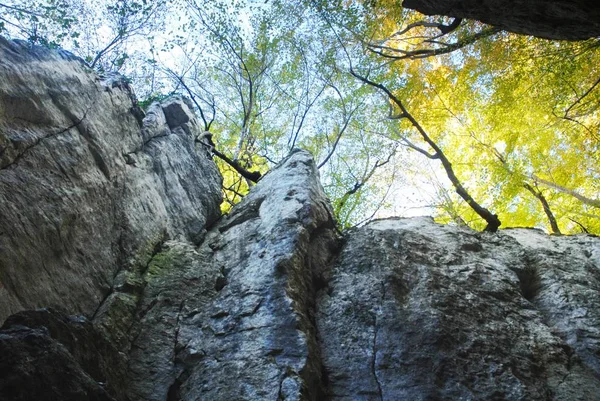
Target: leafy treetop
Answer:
pixel 490 127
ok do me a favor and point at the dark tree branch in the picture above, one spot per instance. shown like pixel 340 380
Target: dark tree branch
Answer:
pixel 304 114
pixel 585 230
pixel 21 10
pixel 580 98
pixel 492 220
pixel 116 40
pixel 206 123
pixel 253 176
pixel 364 179
pixel 347 119
pixel 398 116
pixel 538 194
pixel 568 191
pixel 412 146
pixel 335 143
pixel 445 29
pixel 235 191
pixel 379 205
pixel 399 54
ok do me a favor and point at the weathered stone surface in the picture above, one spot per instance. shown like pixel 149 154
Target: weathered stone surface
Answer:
pixel 561 277
pixel 49 356
pixel 550 19
pixel 106 211
pixel 234 319
pixel 87 184
pixel 180 282
pixel 409 310
pixel 419 311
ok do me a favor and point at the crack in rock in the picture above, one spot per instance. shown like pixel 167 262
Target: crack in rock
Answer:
pixel 40 139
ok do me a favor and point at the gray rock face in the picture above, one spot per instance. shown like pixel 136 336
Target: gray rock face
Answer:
pixel 420 311
pixel 111 213
pixel 234 319
pixel 48 356
pixel 550 19
pixel 87 184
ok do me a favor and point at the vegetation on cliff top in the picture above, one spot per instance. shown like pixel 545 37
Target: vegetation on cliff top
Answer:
pixel 401 111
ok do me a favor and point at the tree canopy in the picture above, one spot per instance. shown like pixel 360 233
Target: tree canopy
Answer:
pixel 404 113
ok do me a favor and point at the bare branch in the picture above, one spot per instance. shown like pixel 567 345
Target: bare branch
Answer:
pixel 408 143
pixel 573 193
pixel 21 10
pixel 538 194
pixel 364 179
pixel 337 140
pixel 492 220
pixel 400 54
pixel 585 230
pixel 180 80
pixel 346 121
pixel 379 205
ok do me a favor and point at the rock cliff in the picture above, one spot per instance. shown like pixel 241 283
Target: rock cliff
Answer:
pixel 549 19
pixel 88 184
pixel 109 222
pixel 419 311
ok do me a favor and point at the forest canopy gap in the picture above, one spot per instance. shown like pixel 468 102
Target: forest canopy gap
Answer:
pixel 405 113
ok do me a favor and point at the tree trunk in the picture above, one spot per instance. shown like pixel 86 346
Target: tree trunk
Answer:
pixel 549 19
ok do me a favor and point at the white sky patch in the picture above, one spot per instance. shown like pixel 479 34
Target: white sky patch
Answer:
pixel 413 192
pixel 500 146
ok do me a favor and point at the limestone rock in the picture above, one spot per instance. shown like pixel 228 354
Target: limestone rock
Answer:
pixel 113 213
pixel 180 282
pixel 87 183
pixel 234 319
pixel 550 19
pixel 420 311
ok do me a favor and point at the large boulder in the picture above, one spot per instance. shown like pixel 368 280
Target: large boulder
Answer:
pixel 47 356
pixel 420 311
